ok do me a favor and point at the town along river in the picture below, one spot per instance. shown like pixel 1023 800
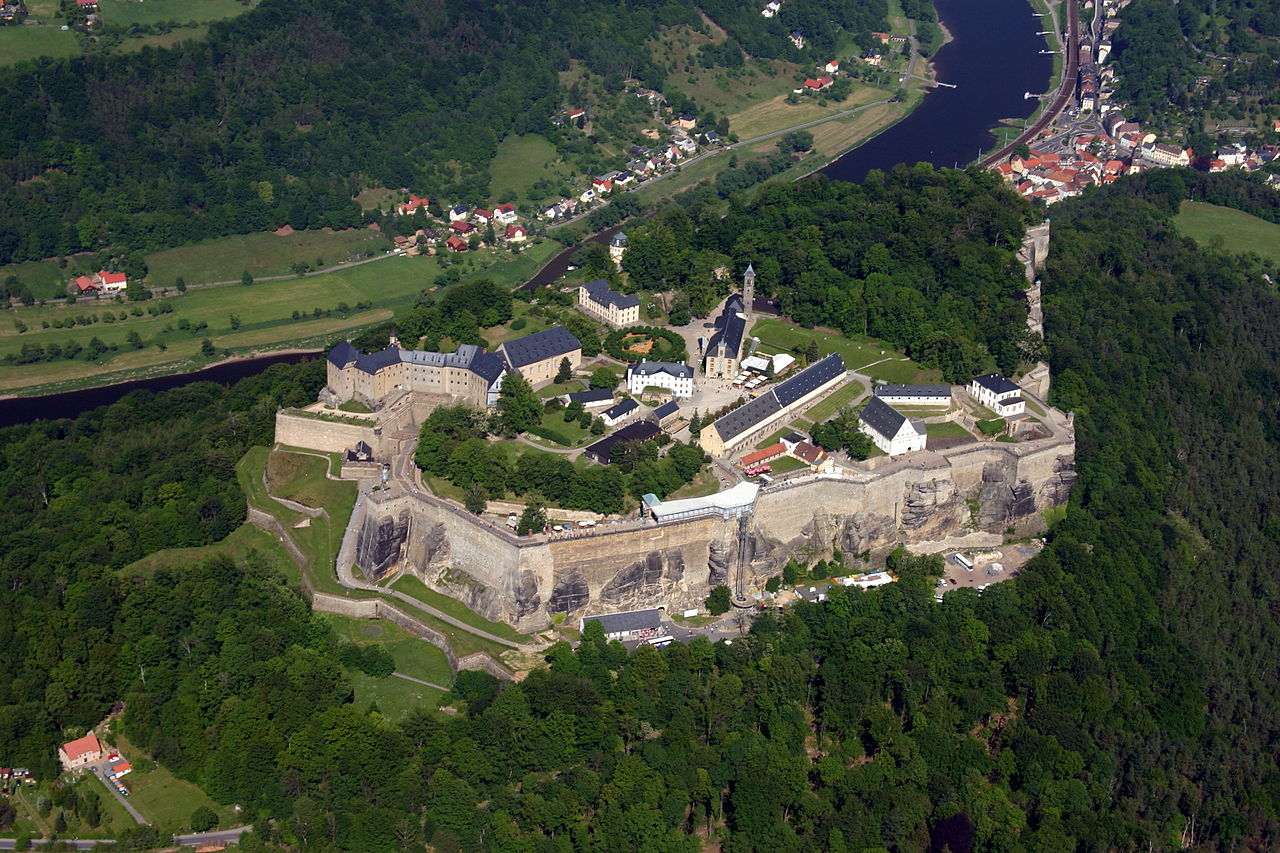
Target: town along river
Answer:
pixel 993 59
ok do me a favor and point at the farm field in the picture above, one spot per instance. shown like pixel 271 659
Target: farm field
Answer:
pixel 126 13
pixel 261 254
pixel 1235 231
pixel 29 41
pixel 265 310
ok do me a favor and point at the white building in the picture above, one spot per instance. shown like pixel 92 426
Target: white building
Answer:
pixel 618 247
pixel 915 395
pixel 998 394
pixel 891 431
pixel 1165 155
pixel 676 378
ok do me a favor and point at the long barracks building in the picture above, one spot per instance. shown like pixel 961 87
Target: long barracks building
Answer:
pixel 778 405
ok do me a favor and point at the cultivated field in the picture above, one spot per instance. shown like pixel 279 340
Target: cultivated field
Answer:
pixel 1230 229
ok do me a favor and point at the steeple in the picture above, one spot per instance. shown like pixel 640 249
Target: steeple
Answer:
pixel 748 294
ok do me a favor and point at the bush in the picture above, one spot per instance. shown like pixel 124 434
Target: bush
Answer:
pixel 992 426
pixel 519 323
pixel 719 601
pixel 203 819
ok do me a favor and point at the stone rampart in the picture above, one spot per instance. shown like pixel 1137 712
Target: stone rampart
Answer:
pixel 330 436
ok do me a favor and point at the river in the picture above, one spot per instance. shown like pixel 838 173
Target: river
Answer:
pixel 994 57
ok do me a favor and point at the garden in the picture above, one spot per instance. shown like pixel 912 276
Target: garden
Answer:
pixel 640 343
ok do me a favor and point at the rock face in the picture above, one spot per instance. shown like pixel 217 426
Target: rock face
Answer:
pixel 381 543
pixel 648 579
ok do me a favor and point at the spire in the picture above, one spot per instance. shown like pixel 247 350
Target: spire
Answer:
pixel 748 294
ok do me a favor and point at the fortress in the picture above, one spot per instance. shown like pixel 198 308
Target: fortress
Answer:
pixel 983 486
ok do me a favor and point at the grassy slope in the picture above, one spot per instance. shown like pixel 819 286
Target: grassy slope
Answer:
pixel 455 608
pixel 1233 230
pixel 261 254
pixel 26 42
pixel 265 310
pixel 124 13
pixel 521 161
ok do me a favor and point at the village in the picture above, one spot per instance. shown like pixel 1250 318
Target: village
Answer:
pixel 1096 144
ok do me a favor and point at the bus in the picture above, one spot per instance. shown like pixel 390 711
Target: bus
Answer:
pixel 962 560
pixel 661 642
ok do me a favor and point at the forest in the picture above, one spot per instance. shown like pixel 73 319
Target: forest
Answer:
pixel 921 257
pixel 1121 694
pixel 283 114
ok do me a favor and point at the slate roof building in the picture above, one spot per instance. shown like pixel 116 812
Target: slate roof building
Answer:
pixel 538 356
pixel 629 625
pixel 602 450
pixel 666 413
pixel 676 378
pixel 720 358
pixel 469 374
pixel 998 394
pixel 596 398
pixel 624 411
pixel 778 404
pixel 598 300
pixel 915 395
pixel 891 431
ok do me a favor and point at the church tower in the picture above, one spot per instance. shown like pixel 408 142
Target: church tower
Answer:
pixel 748 294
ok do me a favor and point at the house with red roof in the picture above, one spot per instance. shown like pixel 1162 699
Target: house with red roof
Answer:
pixel 80 752
pixel 111 282
pixel 506 214
pixel 832 67
pixel 461 227
pixel 515 234
pixel 412 205
pixel 819 84
pixel 455 244
pixel 767 454
pixel 482 216
pixel 83 284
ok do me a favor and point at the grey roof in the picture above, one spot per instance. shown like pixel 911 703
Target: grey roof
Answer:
pixel 744 418
pixel 814 376
pixel 995 383
pixel 595 395
pixel 602 450
pixel 730 326
pixel 652 368
pixel 619 240
pixel 467 356
pixel 883 418
pixel 632 620
pixel 666 410
pixel 602 294
pixel 540 346
pixel 626 407
pixel 913 391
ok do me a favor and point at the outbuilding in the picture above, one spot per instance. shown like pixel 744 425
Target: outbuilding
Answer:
pixel 629 625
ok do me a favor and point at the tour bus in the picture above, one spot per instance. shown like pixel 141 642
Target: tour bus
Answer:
pixel 661 642
pixel 962 560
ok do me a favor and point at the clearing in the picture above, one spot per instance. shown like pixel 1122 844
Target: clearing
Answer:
pixel 29 41
pixel 127 13
pixel 1229 229
pixel 261 254
pixel 521 161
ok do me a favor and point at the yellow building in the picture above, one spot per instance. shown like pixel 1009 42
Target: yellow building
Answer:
pixel 775 407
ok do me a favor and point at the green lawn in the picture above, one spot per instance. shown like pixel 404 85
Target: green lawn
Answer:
pixel 125 13
pixel 164 799
pixel 782 336
pixel 414 657
pixel 554 428
pixel 29 41
pixel 244 540
pixel 786 465
pixel 410 585
pixel 45 279
pixel 903 371
pixel 261 254
pixel 265 311
pixel 561 388
pixel 394 697
pixel 1229 229
pixel 946 429
pixel 835 401
pixel 520 162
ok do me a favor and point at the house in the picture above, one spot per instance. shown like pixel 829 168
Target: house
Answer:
pixel 515 234
pixel 597 299
pixel 1165 155
pixel 596 398
pixel 685 122
pixel 588 196
pixel 998 394
pixel 711 137
pixel 891 431
pixel 686 144
pixel 771 8
pixel 797 39
pixel 618 248
pixel 482 215
pixel 87 4
pixel 832 67
pixel 601 186
pixel 631 625
pixel 915 395
pixel 460 227
pixel 766 454
pixel 778 404
pixel 676 378
pixel 83 284
pixel 602 450
pixel 117 767
pixel 884 37
pixel 667 413
pixel 506 214
pixel 538 356
pixel 412 206
pixel 872 57
pixel 455 244
pixel 809 454
pixel 552 212
pixel 80 752
pixel 620 412
pixel 817 85
pixel 111 282
pixel 458 214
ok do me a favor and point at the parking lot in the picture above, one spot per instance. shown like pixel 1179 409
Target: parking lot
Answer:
pixel 989 566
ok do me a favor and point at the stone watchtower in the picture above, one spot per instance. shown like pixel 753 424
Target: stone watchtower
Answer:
pixel 748 294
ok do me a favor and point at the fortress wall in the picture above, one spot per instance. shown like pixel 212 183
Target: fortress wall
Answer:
pixel 329 436
pixel 361 608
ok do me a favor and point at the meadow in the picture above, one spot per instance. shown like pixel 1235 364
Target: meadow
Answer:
pixel 520 162
pixel 260 254
pixel 28 41
pixel 127 13
pixel 1228 229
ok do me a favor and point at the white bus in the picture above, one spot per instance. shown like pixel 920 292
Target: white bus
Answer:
pixel 661 642
pixel 962 560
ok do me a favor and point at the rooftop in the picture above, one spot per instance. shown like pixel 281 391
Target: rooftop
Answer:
pixel 883 418
pixel 995 383
pixel 595 395
pixel 624 408
pixel 602 450
pixel 737 498
pixel 652 368
pixel 812 377
pixel 630 621
pixel 602 294
pixel 666 410
pixel 540 346
pixel 467 356
pixel 730 326
pixel 82 746
pixel 913 391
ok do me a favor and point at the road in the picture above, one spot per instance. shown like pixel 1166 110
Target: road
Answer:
pixel 1066 89
pixel 228 836
pixel 420 681
pixel 99 772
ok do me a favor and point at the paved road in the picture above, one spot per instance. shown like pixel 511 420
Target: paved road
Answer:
pixel 98 771
pixel 420 681
pixel 9 843
pixel 226 835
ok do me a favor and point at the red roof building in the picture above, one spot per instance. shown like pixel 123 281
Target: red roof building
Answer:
pixel 808 453
pixel 79 752
pixel 84 284
pixel 412 205
pixel 773 451
pixel 482 214
pixel 515 234
pixel 456 244
pixel 461 227
pixel 112 281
